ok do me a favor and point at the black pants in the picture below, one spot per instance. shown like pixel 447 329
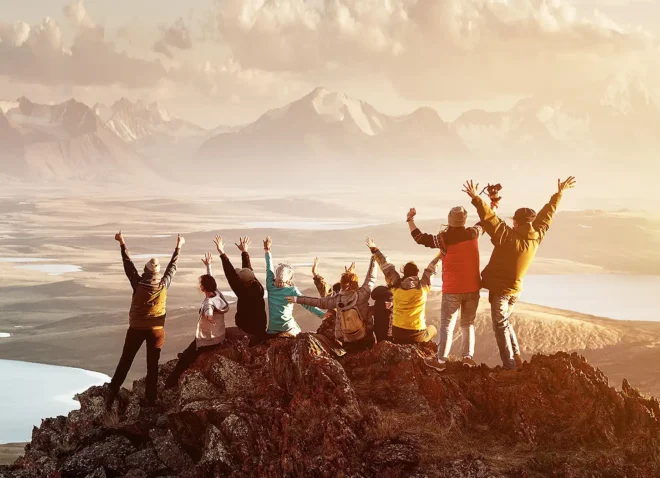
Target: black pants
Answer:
pixel 361 345
pixel 155 338
pixel 186 359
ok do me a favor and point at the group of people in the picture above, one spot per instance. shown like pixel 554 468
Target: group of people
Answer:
pixel 398 311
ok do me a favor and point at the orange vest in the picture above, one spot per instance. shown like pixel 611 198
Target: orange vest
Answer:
pixel 460 268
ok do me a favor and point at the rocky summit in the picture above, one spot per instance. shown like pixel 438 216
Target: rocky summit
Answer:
pixel 292 408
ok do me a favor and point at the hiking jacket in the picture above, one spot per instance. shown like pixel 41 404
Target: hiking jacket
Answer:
pixel 460 260
pixel 355 299
pixel 211 322
pixel 382 316
pixel 514 248
pixel 410 293
pixel 280 312
pixel 149 302
pixel 250 304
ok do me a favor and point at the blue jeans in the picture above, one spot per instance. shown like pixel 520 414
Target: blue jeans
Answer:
pixel 467 304
pixel 501 308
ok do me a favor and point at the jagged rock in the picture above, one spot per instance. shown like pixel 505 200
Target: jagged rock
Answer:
pixel 98 473
pixel 287 408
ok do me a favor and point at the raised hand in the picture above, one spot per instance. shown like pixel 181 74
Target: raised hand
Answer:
pixel 207 259
pixel 370 243
pixel 568 184
pixel 411 214
pixel 180 241
pixel 291 300
pixel 315 266
pixel 351 268
pixel 471 189
pixel 219 245
pixel 243 244
pixel 328 315
pixel 268 243
pixel 119 237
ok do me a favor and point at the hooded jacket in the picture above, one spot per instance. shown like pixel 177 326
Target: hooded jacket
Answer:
pixel 345 300
pixel 211 323
pixel 515 248
pixel 410 293
pixel 250 305
pixel 280 312
pixel 149 302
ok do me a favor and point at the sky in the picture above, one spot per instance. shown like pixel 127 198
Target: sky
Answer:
pixel 227 61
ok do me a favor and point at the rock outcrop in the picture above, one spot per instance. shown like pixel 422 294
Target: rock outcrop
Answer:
pixel 289 408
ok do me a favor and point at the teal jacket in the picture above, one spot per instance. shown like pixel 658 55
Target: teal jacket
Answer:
pixel 280 312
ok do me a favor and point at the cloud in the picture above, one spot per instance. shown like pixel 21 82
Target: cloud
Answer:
pixel 454 49
pixel 177 36
pixel 77 13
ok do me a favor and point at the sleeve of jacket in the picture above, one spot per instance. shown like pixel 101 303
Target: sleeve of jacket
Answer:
pixel 497 229
pixel 322 286
pixel 314 310
pixel 391 275
pixel 430 271
pixel 129 268
pixel 326 303
pixel 427 240
pixel 372 275
pixel 270 272
pixel 171 269
pixel 544 217
pixel 230 273
pixel 245 260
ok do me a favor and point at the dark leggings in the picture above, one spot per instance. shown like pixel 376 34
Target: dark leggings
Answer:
pixel 186 359
pixel 155 338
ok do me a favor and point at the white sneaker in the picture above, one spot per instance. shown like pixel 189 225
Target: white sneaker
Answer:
pixel 435 364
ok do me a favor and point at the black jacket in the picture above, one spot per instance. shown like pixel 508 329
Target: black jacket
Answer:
pixel 382 315
pixel 250 307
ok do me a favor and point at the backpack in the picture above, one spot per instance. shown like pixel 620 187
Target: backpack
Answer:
pixel 352 325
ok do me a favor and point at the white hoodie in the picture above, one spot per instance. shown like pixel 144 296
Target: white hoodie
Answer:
pixel 211 323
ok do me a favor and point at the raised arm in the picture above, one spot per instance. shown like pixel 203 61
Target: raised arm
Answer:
pixel 493 225
pixel 430 270
pixel 544 217
pixel 391 275
pixel 227 267
pixel 320 283
pixel 427 240
pixel 129 268
pixel 243 246
pixel 270 272
pixel 372 274
pixel 171 267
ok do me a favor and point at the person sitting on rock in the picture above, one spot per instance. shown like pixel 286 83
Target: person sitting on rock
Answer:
pixel 410 297
pixel 515 248
pixel 250 306
pixel 382 313
pixel 461 281
pixel 210 324
pixel 352 305
pixel 146 319
pixel 280 285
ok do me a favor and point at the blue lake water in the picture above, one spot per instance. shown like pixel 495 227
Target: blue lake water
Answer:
pixel 615 296
pixel 31 392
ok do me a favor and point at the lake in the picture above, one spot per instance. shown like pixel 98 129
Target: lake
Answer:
pixel 31 392
pixel 615 296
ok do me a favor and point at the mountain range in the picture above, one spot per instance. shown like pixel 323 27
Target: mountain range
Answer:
pixel 74 141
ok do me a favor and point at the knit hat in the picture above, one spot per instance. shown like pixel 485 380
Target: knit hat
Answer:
pixel 457 217
pixel 245 275
pixel 524 215
pixel 284 275
pixel 153 266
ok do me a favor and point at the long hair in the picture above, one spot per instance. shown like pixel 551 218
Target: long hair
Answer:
pixel 207 283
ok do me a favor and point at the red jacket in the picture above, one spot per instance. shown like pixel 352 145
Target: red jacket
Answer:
pixel 460 261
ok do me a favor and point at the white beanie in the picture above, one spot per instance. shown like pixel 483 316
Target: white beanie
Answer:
pixel 457 216
pixel 153 266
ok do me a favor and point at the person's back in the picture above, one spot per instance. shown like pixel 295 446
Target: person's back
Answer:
pixel 382 312
pixel 149 303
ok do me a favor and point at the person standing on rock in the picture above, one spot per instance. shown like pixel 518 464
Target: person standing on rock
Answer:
pixel 461 281
pixel 515 248
pixel 410 297
pixel 352 308
pixel 146 319
pixel 210 324
pixel 279 284
pixel 250 307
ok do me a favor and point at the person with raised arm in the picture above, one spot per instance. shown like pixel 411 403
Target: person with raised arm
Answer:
pixel 146 319
pixel 410 295
pixel 461 281
pixel 210 324
pixel 280 285
pixel 352 308
pixel 250 306
pixel 514 251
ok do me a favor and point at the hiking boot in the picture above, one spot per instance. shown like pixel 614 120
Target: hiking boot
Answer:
pixel 109 398
pixel 468 362
pixel 519 362
pixel 435 364
pixel 506 375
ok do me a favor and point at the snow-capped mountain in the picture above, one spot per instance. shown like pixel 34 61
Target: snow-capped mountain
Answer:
pixel 329 126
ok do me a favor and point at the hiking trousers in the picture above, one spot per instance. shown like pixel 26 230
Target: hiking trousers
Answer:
pixel 407 337
pixel 186 359
pixel 452 305
pixel 154 338
pixel 501 308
